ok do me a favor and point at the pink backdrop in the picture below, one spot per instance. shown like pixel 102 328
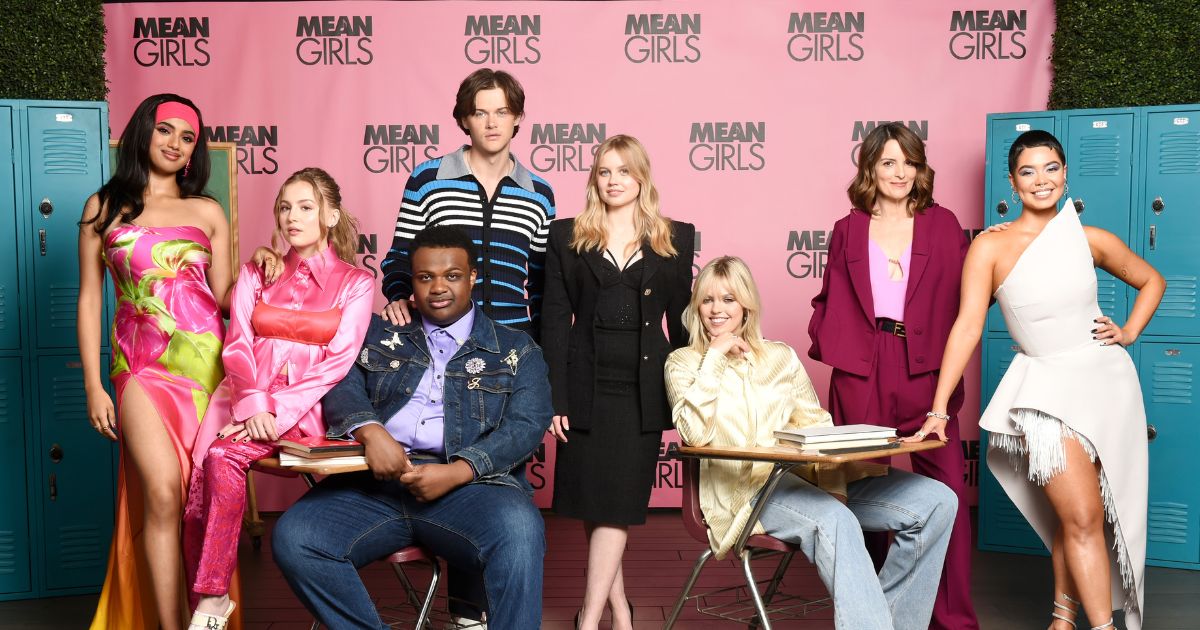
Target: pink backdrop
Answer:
pixel 751 112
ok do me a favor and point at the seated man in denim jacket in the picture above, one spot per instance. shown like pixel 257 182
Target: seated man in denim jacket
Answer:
pixel 449 407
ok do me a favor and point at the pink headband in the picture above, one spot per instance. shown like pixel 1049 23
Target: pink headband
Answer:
pixel 175 109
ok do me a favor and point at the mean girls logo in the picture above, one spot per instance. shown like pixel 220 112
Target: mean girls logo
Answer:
pixel 334 40
pixel 257 146
pixel 171 41
pixel 988 34
pixel 398 148
pixel 728 146
pixel 662 37
pixel 565 147
pixel 807 253
pixel 494 39
pixel 826 36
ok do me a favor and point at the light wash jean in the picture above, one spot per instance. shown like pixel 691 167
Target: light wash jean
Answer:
pixel 920 510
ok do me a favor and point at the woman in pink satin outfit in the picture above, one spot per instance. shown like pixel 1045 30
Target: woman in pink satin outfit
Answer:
pixel 288 343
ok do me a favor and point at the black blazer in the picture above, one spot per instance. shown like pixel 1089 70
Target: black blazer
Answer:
pixel 572 286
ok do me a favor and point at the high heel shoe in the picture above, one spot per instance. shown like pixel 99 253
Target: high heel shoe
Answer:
pixel 208 621
pixel 1107 625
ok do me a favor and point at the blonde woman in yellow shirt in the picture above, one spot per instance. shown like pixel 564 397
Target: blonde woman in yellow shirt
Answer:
pixel 731 387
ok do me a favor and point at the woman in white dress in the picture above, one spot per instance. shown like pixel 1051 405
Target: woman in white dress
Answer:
pixel 1068 428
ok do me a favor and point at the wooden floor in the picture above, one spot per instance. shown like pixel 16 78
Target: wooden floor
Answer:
pixel 1010 591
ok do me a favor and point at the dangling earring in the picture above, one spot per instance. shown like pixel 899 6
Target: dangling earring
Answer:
pixel 1016 199
pixel 187 168
pixel 1066 188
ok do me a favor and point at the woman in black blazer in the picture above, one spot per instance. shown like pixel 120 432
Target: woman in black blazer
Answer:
pixel 613 273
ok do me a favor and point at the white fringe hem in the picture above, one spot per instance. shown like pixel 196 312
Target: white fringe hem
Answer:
pixel 1040 455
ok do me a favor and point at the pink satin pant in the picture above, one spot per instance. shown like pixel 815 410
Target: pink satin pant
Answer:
pixel 212 520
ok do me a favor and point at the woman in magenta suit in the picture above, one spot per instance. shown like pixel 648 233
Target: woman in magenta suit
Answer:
pixel 881 320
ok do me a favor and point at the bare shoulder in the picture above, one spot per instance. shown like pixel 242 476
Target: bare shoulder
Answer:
pixel 209 214
pixel 1100 237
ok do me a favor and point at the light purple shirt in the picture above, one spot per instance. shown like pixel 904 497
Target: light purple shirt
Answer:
pixel 419 425
pixel 888 294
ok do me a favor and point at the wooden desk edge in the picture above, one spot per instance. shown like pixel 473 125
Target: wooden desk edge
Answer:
pixel 791 454
pixel 311 469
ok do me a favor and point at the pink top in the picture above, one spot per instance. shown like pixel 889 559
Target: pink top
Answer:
pixel 311 321
pixel 887 294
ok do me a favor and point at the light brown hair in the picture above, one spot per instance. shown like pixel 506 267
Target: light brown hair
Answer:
pixel 652 227
pixel 864 190
pixel 487 79
pixel 343 236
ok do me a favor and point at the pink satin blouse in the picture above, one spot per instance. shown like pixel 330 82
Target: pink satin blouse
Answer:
pixel 308 326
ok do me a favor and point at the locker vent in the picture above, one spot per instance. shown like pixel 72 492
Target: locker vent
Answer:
pixel 65 151
pixel 1180 298
pixel 1107 289
pixel 1168 523
pixel 81 547
pixel 64 306
pixel 8 552
pixel 70 397
pixel 1099 155
pixel 1011 525
pixel 5 410
pixel 1171 382
pixel 4 308
pixel 1179 153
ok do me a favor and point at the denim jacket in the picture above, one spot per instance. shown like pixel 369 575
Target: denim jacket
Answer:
pixel 497 400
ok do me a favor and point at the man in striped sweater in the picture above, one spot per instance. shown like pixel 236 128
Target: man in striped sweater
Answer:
pixel 483 190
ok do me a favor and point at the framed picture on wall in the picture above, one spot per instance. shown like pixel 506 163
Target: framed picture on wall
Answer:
pixel 222 185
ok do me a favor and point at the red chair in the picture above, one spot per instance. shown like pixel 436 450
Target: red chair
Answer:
pixel 743 604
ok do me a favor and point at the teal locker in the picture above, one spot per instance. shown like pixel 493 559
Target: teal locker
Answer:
pixel 77 490
pixel 1168 209
pixel 1168 373
pixel 1002 527
pixel 999 206
pixel 14 523
pixel 10 299
pixel 1100 149
pixel 67 149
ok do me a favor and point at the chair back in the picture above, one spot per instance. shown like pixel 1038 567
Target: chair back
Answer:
pixel 693 518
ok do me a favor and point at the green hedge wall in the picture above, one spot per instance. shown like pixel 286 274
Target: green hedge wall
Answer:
pixel 52 49
pixel 1121 53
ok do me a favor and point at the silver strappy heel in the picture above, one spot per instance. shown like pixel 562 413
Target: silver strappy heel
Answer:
pixel 1074 611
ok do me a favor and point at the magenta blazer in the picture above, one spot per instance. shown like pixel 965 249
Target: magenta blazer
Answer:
pixel 843 328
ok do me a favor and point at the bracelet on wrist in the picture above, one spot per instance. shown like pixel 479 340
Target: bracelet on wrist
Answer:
pixel 939 416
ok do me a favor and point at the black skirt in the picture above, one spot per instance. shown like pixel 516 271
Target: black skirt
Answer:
pixel 605 474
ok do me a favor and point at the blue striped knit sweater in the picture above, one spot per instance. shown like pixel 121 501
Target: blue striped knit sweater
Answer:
pixel 510 232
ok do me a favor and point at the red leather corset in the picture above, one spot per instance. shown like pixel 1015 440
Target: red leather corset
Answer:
pixel 311 327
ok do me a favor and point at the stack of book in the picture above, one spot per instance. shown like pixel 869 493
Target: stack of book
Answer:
pixel 317 450
pixel 848 438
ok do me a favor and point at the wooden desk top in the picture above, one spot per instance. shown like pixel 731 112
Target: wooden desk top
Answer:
pixel 792 454
pixel 311 469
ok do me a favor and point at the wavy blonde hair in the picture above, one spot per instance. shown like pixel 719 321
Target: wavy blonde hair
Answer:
pixel 343 236
pixel 734 273
pixel 652 228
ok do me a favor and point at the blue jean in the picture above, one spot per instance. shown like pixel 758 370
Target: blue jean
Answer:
pixel 348 521
pixel 920 510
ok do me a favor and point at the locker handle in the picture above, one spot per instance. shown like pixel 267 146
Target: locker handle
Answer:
pixel 1079 206
pixel 53 487
pixel 56 453
pixel 1002 208
pixel 46 208
pixel 1151 432
pixel 1153 236
pixel 1157 205
pixel 42 241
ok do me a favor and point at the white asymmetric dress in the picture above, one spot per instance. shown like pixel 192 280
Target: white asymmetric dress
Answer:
pixel 1062 375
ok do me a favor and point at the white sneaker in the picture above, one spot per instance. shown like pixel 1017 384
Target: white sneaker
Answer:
pixel 462 622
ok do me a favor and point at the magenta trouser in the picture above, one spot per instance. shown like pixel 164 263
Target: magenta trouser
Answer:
pixel 889 396
pixel 212 520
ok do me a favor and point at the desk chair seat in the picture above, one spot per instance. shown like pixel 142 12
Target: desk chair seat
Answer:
pixel 743 604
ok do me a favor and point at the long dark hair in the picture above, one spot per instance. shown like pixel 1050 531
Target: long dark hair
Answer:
pixel 121 196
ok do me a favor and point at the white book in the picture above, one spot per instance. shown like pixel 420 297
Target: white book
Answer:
pixel 288 459
pixel 818 435
pixel 839 444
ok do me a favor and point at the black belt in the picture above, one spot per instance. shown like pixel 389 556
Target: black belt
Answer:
pixel 891 326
